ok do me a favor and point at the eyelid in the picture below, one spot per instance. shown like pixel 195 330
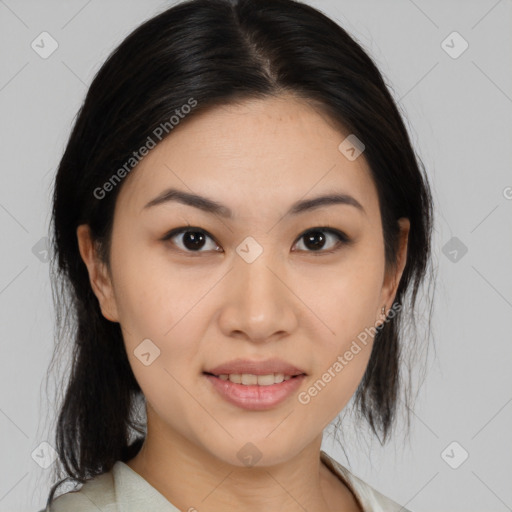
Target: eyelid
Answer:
pixel 183 229
pixel 343 238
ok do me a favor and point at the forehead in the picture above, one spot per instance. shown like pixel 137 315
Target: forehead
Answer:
pixel 255 156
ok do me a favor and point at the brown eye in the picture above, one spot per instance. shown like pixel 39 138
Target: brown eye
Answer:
pixel 320 240
pixel 315 240
pixel 190 239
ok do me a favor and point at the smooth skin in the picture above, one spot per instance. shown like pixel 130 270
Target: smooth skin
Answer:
pixel 203 304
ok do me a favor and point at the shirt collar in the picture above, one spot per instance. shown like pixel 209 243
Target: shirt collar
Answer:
pixel 134 493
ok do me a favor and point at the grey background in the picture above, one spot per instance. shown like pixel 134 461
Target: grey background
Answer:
pixel 459 116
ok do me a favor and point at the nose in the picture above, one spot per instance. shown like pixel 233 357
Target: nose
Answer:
pixel 259 302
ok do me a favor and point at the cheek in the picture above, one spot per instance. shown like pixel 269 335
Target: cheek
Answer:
pixel 346 303
pixel 150 296
pixel 340 363
pixel 329 391
pixel 346 300
pixel 160 323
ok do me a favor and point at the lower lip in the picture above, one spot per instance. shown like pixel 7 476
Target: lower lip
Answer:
pixel 255 398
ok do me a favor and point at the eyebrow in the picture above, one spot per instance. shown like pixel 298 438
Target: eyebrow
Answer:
pixel 213 207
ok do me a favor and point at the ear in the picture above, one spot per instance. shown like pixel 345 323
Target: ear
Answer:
pixel 99 276
pixel 392 278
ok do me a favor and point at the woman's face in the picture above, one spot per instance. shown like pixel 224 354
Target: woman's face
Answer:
pixel 253 285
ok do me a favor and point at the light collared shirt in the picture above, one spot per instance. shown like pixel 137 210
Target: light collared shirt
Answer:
pixel 123 490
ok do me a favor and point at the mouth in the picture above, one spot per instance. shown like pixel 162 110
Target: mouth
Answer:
pixel 255 392
pixel 249 371
pixel 249 379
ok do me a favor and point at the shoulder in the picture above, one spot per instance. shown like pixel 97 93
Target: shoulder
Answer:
pixel 370 499
pixel 120 489
pixel 95 494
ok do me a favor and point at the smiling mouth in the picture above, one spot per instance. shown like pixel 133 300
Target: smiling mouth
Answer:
pixel 248 379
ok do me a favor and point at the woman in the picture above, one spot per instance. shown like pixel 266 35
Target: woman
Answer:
pixel 238 216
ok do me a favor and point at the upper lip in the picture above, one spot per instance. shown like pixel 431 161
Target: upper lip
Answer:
pixel 266 367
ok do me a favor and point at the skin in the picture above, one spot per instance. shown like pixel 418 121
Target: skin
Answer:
pixel 257 158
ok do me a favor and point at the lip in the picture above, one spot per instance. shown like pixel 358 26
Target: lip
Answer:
pixel 254 397
pixel 265 367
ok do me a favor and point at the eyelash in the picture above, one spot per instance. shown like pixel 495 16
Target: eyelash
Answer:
pixel 343 239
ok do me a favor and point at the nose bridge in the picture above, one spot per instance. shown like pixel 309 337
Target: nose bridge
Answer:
pixel 259 284
pixel 259 302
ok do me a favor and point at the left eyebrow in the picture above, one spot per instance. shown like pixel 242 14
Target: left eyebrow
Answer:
pixel 213 207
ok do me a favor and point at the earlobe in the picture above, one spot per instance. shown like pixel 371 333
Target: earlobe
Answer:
pixel 98 276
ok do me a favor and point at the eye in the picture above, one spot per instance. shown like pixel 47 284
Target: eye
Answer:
pixel 315 239
pixel 193 238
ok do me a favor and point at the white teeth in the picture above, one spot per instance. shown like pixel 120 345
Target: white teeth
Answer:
pixel 249 379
